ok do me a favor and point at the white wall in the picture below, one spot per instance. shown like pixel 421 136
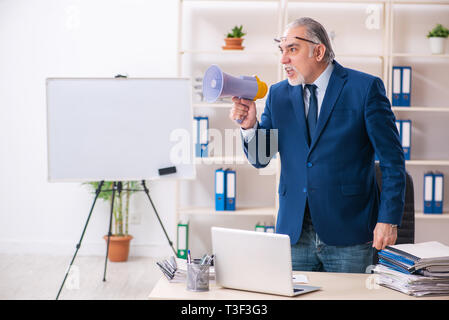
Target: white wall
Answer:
pixel 69 38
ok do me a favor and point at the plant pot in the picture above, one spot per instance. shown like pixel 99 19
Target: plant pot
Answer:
pixel 233 44
pixel 118 248
pixel 437 45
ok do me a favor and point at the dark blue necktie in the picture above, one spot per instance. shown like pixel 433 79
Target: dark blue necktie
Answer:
pixel 313 111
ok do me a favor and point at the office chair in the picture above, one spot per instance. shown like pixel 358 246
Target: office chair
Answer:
pixel 406 232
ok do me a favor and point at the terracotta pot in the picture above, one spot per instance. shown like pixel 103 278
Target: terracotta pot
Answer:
pixel 233 44
pixel 118 248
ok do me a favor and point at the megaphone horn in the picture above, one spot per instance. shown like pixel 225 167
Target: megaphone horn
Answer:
pixel 217 84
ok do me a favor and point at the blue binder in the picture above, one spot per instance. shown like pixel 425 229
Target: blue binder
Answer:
pixel 396 86
pixel 230 189
pixel 428 192
pixel 201 136
pixel 406 137
pixel 406 86
pixel 269 229
pixel 399 127
pixel 401 86
pixel 220 189
pixel 438 192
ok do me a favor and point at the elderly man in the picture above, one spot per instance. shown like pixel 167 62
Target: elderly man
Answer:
pixel 330 122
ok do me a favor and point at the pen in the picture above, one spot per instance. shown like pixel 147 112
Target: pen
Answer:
pixel 211 258
pixel 166 272
pixel 168 266
pixel 164 268
pixel 173 262
pixel 189 259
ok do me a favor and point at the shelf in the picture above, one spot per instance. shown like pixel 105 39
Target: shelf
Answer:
pixel 240 160
pixel 432 216
pixel 230 52
pixel 221 105
pixel 245 211
pixel 419 2
pixel 420 55
pixel 255 1
pixel 420 109
pixel 342 1
pixel 275 53
pixel 221 160
pixel 357 55
pixel 427 162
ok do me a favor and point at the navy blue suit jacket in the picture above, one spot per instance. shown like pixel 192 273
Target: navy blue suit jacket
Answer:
pixel 336 173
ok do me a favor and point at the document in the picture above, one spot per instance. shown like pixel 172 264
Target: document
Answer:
pixel 300 278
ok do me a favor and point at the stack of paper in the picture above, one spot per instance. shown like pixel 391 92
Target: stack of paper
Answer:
pixel 415 269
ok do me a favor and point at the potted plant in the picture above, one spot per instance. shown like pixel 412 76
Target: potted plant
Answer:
pixel 234 39
pixel 437 37
pixel 120 239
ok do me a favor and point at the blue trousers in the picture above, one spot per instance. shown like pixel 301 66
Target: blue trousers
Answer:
pixel 311 254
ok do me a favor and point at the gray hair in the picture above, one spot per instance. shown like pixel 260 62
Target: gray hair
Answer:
pixel 315 32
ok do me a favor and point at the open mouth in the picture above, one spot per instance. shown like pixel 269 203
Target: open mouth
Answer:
pixel 290 72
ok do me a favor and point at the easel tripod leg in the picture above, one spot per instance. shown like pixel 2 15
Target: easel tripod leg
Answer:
pixel 114 187
pixel 97 192
pixel 145 189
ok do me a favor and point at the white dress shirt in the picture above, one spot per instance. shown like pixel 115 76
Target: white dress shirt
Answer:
pixel 321 82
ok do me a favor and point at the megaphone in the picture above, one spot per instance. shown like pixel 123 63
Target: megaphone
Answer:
pixel 217 84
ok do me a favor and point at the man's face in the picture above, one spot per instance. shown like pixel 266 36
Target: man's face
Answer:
pixel 296 57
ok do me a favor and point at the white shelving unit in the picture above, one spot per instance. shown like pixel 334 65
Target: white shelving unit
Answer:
pixel 194 53
pixel 374 51
pixel 429 137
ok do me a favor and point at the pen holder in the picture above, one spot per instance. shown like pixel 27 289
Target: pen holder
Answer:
pixel 197 276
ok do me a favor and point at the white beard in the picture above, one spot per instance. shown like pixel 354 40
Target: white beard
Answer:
pixel 298 80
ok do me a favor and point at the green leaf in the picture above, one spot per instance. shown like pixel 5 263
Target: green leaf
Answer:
pixel 120 215
pixel 438 31
pixel 236 32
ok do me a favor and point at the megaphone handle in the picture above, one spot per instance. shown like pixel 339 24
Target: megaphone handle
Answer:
pixel 239 121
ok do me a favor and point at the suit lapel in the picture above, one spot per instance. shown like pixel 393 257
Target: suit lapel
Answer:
pixel 297 100
pixel 336 84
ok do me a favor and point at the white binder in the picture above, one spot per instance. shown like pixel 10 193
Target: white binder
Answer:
pixel 406 86
pixel 428 192
pixel 406 131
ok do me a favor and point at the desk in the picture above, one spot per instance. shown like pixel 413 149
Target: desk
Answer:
pixel 335 286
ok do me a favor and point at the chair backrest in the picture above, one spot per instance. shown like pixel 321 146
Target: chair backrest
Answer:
pixel 406 232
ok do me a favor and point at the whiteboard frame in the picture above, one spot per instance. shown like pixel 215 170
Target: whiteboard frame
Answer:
pixel 169 177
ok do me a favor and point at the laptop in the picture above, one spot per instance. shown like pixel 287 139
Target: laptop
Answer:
pixel 255 261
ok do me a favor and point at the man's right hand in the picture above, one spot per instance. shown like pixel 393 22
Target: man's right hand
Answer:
pixel 245 110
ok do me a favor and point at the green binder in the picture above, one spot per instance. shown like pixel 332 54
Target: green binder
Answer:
pixel 183 240
pixel 259 228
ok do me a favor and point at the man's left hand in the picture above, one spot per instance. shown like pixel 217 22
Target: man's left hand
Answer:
pixel 384 235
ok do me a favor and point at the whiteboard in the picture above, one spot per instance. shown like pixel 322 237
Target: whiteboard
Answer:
pixel 118 129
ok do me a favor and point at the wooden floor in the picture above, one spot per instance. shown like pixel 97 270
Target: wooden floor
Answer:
pixel 39 277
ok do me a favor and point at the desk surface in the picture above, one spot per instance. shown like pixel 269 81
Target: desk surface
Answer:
pixel 335 286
